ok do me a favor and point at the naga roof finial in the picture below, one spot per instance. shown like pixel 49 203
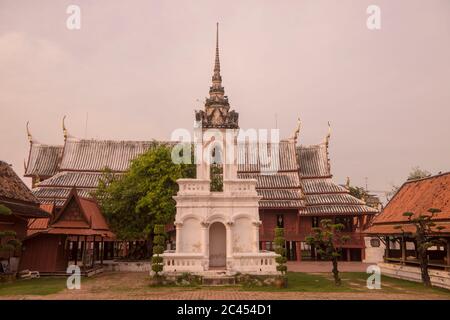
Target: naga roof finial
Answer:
pixel 327 138
pixel 64 128
pixel 30 137
pixel 297 130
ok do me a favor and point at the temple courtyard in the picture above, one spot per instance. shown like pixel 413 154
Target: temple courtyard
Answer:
pixel 313 283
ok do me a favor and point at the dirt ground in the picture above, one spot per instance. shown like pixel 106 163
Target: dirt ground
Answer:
pixel 135 286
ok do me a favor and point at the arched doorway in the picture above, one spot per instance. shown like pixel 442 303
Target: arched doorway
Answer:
pixel 217 245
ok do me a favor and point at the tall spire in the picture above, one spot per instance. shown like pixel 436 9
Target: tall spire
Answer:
pixel 216 91
pixel 216 113
pixel 217 63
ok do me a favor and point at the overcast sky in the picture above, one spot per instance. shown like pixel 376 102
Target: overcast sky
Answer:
pixel 138 67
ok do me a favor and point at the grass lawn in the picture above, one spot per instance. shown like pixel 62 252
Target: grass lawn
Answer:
pixel 38 286
pixel 351 282
pixel 138 283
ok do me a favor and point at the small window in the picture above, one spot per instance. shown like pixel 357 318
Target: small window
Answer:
pixel 280 221
pixel 315 222
pixel 374 242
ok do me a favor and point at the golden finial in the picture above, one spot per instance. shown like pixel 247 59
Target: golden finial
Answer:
pixel 347 183
pixel 297 130
pixel 30 137
pixel 64 127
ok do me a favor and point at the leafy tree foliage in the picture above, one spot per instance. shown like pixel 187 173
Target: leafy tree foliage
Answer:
pixel 136 201
pixel 8 241
pixel 418 173
pixel 424 228
pixel 280 250
pixel 158 248
pixel 325 240
pixel 358 192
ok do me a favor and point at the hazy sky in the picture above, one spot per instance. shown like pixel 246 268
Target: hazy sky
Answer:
pixel 138 67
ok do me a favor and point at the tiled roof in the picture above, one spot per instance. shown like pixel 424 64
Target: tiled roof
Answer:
pixel 253 159
pixel 321 186
pixel 73 179
pixel 313 161
pixel 415 196
pixel 43 160
pixel 281 189
pixel 12 187
pixel 322 195
pixel 96 155
pixel 279 180
pixel 302 179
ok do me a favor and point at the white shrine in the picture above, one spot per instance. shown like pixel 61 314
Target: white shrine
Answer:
pixel 217 230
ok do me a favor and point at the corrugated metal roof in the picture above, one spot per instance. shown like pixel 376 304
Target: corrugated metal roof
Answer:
pixel 43 160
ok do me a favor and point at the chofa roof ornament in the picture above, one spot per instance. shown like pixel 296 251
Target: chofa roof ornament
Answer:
pixel 296 132
pixel 64 128
pixel 30 137
pixel 327 138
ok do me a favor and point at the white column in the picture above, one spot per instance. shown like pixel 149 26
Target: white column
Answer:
pixel 205 239
pixel 229 240
pixel 256 236
pixel 178 238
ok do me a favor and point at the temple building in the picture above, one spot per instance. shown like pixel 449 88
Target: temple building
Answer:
pixel 296 197
pixel 416 196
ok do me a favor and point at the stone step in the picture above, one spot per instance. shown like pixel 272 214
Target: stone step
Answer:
pixel 218 281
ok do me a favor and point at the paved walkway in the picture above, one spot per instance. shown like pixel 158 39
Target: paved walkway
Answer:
pixel 325 266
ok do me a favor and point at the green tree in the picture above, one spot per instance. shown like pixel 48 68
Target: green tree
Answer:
pixel 358 192
pixel 8 241
pixel 280 250
pixel 142 197
pixel 158 248
pixel 424 229
pixel 325 239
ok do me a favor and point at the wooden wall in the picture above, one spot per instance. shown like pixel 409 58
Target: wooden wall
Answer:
pixel 44 253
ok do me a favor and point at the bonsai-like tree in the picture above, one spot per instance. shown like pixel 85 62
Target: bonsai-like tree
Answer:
pixel 8 241
pixel 424 228
pixel 158 248
pixel 280 250
pixel 325 240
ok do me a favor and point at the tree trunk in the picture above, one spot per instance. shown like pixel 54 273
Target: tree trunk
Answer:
pixel 337 280
pixel 423 259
